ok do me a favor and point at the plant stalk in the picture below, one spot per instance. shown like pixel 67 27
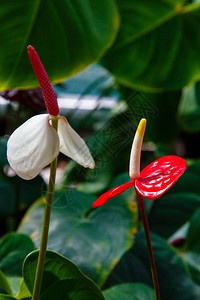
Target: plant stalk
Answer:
pixel 45 226
pixel 149 247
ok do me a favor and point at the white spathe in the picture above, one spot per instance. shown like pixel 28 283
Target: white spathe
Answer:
pixel 35 144
pixel 73 146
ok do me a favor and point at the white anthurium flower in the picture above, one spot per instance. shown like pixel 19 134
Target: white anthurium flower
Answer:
pixel 36 143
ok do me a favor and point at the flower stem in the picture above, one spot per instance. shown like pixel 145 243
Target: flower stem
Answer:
pixel 149 247
pixel 45 226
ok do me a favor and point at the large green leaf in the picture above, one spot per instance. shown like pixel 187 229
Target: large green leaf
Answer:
pixel 130 291
pixel 189 109
pixel 171 211
pixel 68 35
pixel 173 271
pixel 14 248
pixel 93 239
pixel 61 279
pixel 156 47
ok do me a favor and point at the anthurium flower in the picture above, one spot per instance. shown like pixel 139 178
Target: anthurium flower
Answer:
pixel 154 180
pixel 35 144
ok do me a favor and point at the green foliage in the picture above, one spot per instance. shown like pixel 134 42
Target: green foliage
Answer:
pixel 94 239
pixel 155 48
pixel 174 209
pixel 68 35
pixel 13 249
pixel 62 279
pixel 189 109
pixel 173 274
pixel 130 291
pixel 156 51
pixel 4 284
pixel 6 297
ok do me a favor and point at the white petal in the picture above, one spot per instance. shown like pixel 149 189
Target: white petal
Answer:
pixel 134 167
pixel 32 146
pixel 72 145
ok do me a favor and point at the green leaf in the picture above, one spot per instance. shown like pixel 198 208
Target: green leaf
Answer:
pixel 173 273
pixel 14 282
pixel 61 279
pixel 192 241
pixel 171 211
pixel 23 291
pixel 93 239
pixel 155 49
pixel 14 247
pixel 68 36
pixel 6 297
pixel 130 291
pixel 4 284
pixel 189 109
pixel 191 248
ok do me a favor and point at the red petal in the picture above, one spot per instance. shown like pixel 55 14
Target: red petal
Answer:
pixel 112 193
pixel 159 176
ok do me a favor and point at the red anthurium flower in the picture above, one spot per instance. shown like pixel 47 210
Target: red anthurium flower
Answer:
pixel 154 180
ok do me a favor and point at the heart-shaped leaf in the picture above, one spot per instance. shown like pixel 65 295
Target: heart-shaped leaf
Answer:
pixel 159 176
pixel 61 279
pixel 93 239
pixel 68 36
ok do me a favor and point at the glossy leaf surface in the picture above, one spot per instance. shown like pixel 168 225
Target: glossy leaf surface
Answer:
pixel 155 49
pixel 62 279
pixel 68 36
pixel 159 176
pixel 174 279
pixel 93 239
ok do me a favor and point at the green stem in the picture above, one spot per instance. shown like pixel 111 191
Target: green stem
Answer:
pixel 45 226
pixel 149 247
